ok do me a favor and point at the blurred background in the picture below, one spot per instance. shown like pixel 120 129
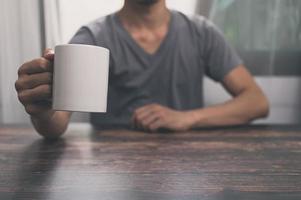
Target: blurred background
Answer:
pixel 267 35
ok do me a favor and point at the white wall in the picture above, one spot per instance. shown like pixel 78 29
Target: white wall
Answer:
pixel 75 13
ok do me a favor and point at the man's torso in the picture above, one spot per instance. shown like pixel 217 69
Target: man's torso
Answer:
pixel 172 76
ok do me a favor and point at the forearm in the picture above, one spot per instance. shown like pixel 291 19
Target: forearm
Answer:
pixel 51 125
pixel 240 110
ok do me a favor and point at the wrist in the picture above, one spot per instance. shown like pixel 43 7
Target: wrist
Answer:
pixel 45 116
pixel 191 119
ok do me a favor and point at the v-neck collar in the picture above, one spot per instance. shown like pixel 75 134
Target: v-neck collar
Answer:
pixel 136 46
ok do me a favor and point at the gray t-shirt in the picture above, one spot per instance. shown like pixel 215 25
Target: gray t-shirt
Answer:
pixel 172 77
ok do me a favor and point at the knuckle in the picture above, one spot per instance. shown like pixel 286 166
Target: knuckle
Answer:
pixel 17 85
pixel 30 109
pixel 47 50
pixel 41 62
pixel 21 69
pixel 20 84
pixel 22 97
pixel 38 63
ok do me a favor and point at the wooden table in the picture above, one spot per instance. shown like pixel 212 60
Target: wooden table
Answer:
pixel 251 162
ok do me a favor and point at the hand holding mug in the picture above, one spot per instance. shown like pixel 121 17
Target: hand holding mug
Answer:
pixel 34 85
pixel 76 80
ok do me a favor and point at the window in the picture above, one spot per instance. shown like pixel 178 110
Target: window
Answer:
pixel 267 34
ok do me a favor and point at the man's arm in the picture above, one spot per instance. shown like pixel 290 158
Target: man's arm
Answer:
pixel 52 125
pixel 34 88
pixel 248 103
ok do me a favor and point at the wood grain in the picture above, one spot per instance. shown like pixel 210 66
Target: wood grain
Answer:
pixel 248 162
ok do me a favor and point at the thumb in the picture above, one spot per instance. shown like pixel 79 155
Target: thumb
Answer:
pixel 48 54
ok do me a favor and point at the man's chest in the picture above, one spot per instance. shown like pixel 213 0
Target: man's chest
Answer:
pixel 149 44
pixel 149 40
pixel 177 63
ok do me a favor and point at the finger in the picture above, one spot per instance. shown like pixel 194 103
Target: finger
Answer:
pixel 36 66
pixel 48 54
pixel 34 80
pixel 134 118
pixel 146 108
pixel 44 103
pixel 149 120
pixel 144 111
pixel 142 116
pixel 42 92
pixel 35 109
pixel 138 118
pixel 156 125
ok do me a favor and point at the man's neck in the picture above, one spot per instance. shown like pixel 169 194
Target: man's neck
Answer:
pixel 144 16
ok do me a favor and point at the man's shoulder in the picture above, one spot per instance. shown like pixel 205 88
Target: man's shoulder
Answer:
pixel 194 21
pixel 197 27
pixel 100 24
pixel 96 32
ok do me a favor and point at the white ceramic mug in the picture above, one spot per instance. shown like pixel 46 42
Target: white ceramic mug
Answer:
pixel 80 78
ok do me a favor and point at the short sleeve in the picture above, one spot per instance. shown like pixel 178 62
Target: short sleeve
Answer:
pixel 83 36
pixel 220 57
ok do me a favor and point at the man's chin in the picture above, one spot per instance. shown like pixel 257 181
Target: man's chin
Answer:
pixel 146 2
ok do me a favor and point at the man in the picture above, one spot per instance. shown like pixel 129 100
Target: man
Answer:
pixel 158 60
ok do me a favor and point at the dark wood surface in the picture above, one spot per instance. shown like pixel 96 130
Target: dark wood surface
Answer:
pixel 252 162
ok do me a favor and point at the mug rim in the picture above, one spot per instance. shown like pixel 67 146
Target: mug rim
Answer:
pixel 82 45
